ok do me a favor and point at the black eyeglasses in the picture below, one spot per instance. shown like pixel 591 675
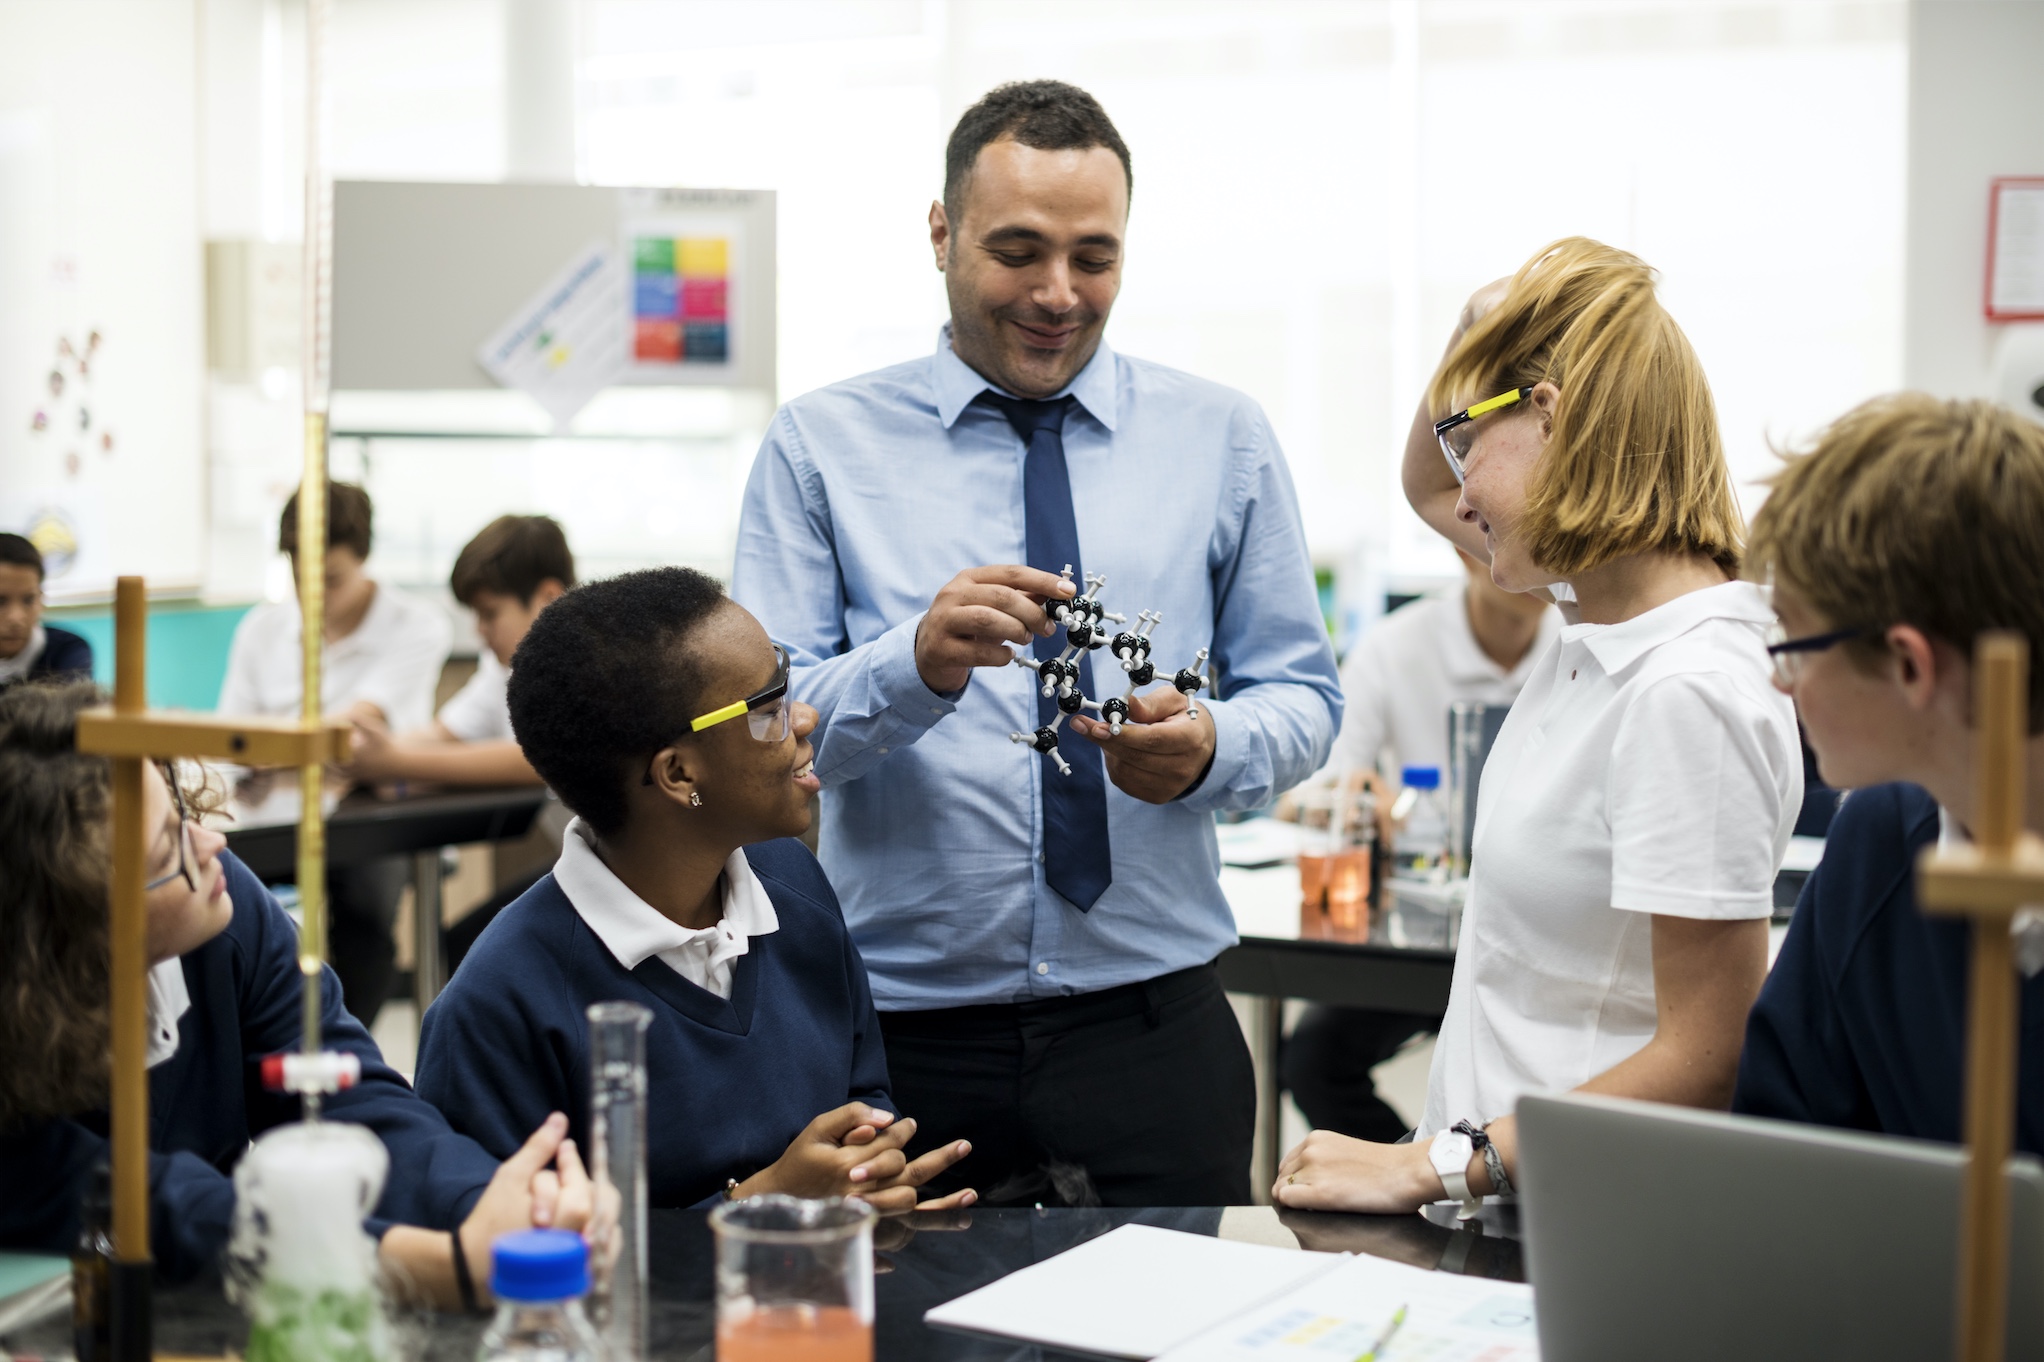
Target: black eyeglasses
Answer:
pixel 185 855
pixel 1458 432
pixel 1790 654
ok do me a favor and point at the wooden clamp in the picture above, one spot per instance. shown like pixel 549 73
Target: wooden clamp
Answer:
pixel 1999 874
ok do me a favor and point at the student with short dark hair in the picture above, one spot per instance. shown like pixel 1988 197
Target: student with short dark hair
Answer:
pixel 30 649
pixel 224 991
pixel 1910 528
pixel 658 710
pixel 382 664
pixel 515 567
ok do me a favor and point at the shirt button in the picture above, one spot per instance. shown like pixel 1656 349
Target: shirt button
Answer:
pixel 883 751
pixel 1039 858
pixel 935 709
pixel 1043 967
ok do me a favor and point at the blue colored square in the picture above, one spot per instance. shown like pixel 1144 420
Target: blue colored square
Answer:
pixel 653 295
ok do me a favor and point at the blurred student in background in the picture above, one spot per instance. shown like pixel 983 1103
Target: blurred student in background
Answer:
pixel 1475 643
pixel 384 651
pixel 28 647
pixel 1638 800
pixel 515 567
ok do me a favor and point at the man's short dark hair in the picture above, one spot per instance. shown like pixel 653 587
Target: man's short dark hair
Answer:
pixel 605 678
pixel 17 551
pixel 349 520
pixel 1046 114
pixel 512 556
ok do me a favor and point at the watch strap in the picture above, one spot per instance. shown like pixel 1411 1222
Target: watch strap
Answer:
pixel 1449 1153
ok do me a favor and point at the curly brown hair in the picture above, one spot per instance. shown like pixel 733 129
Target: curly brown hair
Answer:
pixel 55 806
pixel 55 822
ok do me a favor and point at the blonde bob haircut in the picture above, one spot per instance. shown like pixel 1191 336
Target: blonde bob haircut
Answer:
pixel 1634 462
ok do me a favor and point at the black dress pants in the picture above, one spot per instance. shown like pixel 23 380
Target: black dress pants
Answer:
pixel 1327 1061
pixel 1141 1095
pixel 362 904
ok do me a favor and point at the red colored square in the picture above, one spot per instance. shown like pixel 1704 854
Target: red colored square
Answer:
pixel 703 300
pixel 657 341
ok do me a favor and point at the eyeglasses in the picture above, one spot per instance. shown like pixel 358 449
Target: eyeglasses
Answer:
pixel 766 712
pixel 185 854
pixel 1789 655
pixel 1458 432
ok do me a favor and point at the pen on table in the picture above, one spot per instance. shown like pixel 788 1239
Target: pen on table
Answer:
pixel 1383 1339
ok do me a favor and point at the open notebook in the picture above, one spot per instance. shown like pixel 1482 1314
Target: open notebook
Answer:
pixel 1144 1292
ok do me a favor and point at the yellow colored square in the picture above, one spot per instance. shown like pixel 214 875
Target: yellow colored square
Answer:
pixel 700 257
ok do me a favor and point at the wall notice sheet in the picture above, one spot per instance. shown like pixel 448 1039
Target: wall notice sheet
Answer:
pixel 565 344
pixel 682 310
pixel 1341 1315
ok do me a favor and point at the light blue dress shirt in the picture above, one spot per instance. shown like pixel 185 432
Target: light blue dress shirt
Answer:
pixel 866 498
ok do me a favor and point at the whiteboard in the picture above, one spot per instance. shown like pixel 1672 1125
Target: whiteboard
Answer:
pixel 424 272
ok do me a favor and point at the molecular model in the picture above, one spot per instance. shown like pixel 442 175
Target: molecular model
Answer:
pixel 1085 625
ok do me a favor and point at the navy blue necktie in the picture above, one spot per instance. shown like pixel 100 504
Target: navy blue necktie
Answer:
pixel 1077 861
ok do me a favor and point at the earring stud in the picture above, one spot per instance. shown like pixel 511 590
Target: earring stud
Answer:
pixel 695 799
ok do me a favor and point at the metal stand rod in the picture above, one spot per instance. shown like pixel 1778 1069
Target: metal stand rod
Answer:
pixel 426 968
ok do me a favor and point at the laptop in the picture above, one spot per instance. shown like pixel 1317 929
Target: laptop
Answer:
pixel 1660 1232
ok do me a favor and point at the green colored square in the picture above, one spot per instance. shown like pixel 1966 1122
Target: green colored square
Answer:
pixel 653 254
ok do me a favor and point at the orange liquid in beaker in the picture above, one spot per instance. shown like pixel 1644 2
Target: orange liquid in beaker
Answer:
pixel 1334 895
pixel 796 1333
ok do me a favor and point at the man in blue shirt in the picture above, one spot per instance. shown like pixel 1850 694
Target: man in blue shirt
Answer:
pixel 1913 526
pixel 1041 943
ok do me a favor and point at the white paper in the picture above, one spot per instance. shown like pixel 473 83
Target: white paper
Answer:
pixel 1341 1314
pixel 1134 1292
pixel 2018 283
pixel 568 342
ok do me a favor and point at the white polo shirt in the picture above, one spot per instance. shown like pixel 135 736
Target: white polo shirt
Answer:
pixel 480 711
pixel 634 931
pixel 1648 767
pixel 391 660
pixel 1405 673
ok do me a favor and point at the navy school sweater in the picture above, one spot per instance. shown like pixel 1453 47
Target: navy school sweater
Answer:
pixel 207 1102
pixel 729 1083
pixel 1862 1022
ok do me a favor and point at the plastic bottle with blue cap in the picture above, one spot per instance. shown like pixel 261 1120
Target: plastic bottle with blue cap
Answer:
pixel 1422 812
pixel 539 1278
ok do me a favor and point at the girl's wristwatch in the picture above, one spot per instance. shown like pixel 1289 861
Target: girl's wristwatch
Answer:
pixel 1450 1153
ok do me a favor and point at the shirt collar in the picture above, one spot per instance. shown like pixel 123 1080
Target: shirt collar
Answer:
pixel 169 1000
pixel 633 930
pixel 958 383
pixel 1618 646
pixel 18 665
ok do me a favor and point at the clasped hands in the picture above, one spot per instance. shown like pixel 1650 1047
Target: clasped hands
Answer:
pixel 1161 750
pixel 856 1150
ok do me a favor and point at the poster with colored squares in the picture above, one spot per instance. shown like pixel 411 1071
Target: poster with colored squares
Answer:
pixel 684 318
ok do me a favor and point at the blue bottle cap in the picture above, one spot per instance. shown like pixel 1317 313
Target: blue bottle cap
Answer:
pixel 539 1265
pixel 1422 777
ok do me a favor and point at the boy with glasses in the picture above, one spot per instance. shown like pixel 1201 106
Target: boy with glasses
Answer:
pixel 1913 526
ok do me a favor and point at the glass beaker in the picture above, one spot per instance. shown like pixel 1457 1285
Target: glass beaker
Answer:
pixel 617 1135
pixel 794 1280
pixel 1334 871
